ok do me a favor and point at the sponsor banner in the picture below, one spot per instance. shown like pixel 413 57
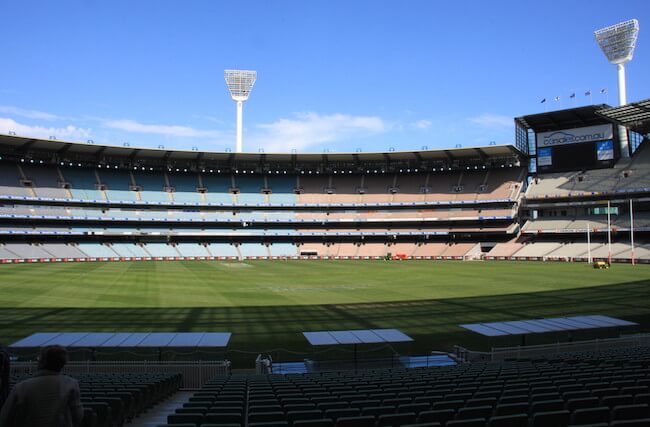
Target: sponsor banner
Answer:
pixel 575 136
pixel 605 150
pixel 545 156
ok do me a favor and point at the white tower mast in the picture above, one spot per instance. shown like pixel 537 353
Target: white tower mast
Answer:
pixel 617 43
pixel 240 83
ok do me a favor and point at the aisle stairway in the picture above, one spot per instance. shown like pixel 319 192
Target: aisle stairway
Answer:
pixel 158 414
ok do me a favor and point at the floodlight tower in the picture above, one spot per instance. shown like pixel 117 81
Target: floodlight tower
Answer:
pixel 240 83
pixel 617 43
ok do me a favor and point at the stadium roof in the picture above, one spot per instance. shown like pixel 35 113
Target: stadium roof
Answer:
pixel 125 339
pixel 563 119
pixel 360 336
pixel 19 145
pixel 634 116
pixel 539 326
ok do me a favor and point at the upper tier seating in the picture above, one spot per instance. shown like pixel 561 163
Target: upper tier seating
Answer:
pixel 118 185
pixel 628 174
pixel 218 188
pixel 46 182
pixel 152 187
pixel 10 181
pixel 83 183
pixel 580 224
pixel 282 188
pixel 185 187
pixel 250 189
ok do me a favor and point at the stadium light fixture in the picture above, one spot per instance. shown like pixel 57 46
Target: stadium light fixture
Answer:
pixel 240 83
pixel 617 43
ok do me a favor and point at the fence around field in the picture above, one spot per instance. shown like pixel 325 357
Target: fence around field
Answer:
pixel 523 352
pixel 195 374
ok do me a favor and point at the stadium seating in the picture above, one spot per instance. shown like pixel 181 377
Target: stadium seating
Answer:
pixel 46 181
pixel 151 187
pixel 627 175
pixel 610 387
pixel 10 181
pixel 223 250
pixel 112 399
pixel 192 250
pixel 119 185
pixel 83 183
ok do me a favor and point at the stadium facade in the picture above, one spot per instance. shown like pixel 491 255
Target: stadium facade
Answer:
pixel 535 200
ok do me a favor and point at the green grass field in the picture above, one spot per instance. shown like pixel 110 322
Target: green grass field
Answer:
pixel 266 304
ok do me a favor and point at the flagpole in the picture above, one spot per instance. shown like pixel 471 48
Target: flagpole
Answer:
pixel 632 231
pixel 588 243
pixel 609 235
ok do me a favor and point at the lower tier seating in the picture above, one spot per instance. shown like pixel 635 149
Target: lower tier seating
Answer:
pixel 604 389
pixel 112 399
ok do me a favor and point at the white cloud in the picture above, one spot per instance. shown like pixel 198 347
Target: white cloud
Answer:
pixel 309 129
pixel 66 132
pixel 157 129
pixel 30 114
pixel 492 120
pixel 423 124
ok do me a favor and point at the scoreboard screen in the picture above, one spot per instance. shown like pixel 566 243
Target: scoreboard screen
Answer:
pixel 589 147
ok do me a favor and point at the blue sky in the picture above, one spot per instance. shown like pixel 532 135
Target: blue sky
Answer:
pixel 332 75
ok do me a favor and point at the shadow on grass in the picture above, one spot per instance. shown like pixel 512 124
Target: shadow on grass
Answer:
pixel 432 323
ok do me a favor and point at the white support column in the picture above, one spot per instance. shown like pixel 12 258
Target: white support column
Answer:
pixel 609 234
pixel 589 243
pixel 632 232
pixel 622 90
pixel 622 100
pixel 240 113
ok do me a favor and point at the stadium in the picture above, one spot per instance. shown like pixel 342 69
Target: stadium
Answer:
pixel 433 287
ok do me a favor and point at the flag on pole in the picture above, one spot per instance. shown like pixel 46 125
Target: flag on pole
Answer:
pixel 588 93
pixel 543 101
pixel 573 95
pixel 557 98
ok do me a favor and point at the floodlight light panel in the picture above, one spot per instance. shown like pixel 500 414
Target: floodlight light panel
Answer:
pixel 618 41
pixel 240 83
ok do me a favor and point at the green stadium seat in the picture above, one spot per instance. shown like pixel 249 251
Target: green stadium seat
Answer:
pixel 590 415
pixel 551 419
pixel 396 419
pixel 474 422
pixel 378 410
pixel 216 417
pixel 360 421
pixel 323 422
pixel 629 412
pixel 517 420
pixel 582 403
pixel 474 412
pixel 294 416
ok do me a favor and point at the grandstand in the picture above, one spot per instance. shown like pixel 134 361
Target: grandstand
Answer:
pixel 107 203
